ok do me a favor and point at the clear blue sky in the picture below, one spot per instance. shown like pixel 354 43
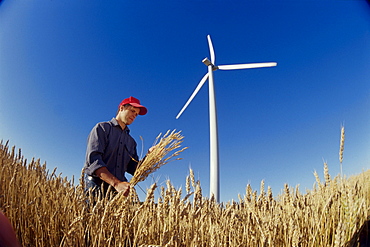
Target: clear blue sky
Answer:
pixel 66 65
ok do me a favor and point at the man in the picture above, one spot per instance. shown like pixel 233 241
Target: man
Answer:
pixel 111 151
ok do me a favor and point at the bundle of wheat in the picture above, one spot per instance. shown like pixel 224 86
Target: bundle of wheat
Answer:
pixel 159 156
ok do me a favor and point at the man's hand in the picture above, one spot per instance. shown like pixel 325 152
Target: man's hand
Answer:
pixel 152 149
pixel 157 149
pixel 117 184
pixel 123 187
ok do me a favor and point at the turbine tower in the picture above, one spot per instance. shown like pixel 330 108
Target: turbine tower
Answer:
pixel 214 164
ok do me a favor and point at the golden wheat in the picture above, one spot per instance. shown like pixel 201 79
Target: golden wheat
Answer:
pixel 341 147
pixel 47 210
pixel 157 157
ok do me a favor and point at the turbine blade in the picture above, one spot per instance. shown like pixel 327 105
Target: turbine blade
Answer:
pixel 246 66
pixel 201 83
pixel 211 50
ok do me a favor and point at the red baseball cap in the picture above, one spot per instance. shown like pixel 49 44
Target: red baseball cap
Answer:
pixel 135 103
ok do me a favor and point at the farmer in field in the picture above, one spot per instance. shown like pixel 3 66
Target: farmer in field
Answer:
pixel 111 151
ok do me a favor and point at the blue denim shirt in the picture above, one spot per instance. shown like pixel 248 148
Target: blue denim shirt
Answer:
pixel 110 146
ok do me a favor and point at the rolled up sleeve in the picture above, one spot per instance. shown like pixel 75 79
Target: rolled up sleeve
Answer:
pixel 96 143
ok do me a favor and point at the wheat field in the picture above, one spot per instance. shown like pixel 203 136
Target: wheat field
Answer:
pixel 46 209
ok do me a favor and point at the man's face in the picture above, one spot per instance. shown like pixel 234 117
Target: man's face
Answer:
pixel 128 114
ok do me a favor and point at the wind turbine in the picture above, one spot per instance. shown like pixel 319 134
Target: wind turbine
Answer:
pixel 214 165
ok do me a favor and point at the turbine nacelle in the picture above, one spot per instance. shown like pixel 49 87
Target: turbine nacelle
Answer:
pixel 208 63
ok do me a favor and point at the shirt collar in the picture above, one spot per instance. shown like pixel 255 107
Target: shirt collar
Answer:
pixel 115 123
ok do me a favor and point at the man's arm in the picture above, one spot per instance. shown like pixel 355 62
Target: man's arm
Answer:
pixel 96 145
pixel 108 177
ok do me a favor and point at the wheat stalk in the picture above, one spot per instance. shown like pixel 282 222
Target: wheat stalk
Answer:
pixel 157 157
pixel 341 148
pixel 326 175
